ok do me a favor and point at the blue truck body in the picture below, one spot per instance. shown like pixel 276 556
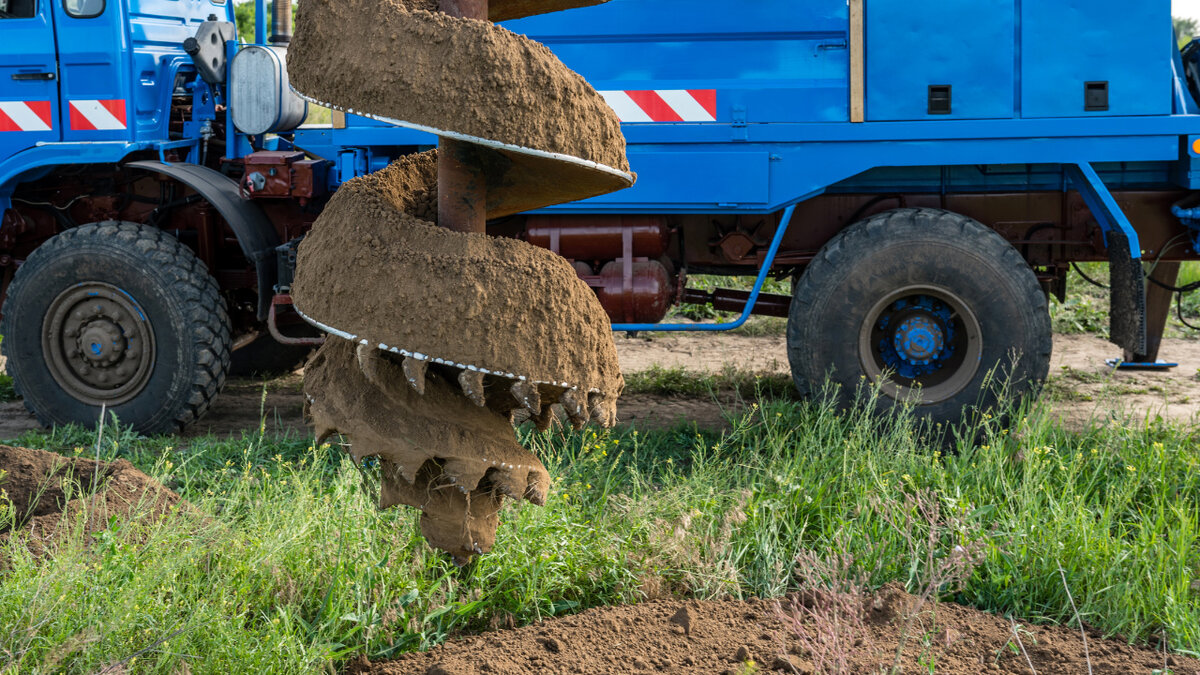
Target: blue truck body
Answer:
pixel 763 128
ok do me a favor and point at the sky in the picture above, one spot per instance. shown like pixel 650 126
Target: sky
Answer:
pixel 1186 8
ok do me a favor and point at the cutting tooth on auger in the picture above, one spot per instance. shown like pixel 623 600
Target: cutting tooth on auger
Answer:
pixel 399 264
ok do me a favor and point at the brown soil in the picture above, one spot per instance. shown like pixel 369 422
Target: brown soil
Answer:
pixel 720 637
pixel 1082 389
pixel 461 75
pixel 439 452
pixel 503 10
pixel 372 270
pixel 38 483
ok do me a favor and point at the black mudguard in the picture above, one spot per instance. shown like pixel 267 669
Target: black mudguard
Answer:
pixel 1127 307
pixel 253 229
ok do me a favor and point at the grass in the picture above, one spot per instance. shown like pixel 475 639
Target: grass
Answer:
pixel 685 382
pixel 755 326
pixel 1086 307
pixel 283 566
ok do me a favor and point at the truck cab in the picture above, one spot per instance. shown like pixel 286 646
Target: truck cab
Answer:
pixel 92 71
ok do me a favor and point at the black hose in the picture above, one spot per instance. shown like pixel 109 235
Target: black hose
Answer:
pixel 1179 312
pixel 1088 279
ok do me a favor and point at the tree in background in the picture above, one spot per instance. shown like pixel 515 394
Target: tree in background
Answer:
pixel 243 13
pixel 1185 30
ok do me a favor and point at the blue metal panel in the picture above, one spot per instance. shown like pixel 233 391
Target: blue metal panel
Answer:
pixel 156 31
pixel 715 179
pixel 1066 43
pixel 805 159
pixel 34 162
pixel 773 60
pixel 93 67
pixel 966 44
pixel 28 81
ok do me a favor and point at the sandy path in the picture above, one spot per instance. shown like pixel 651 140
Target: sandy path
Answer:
pixel 1081 386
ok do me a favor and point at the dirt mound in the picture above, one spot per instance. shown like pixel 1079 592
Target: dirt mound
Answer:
pixel 439 452
pixel 459 75
pixel 370 268
pixel 720 637
pixel 45 488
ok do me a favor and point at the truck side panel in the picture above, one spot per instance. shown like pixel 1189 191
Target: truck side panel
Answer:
pixel 972 60
pixel 1067 46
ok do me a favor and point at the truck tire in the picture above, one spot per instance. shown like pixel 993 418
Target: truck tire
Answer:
pixel 927 303
pixel 120 315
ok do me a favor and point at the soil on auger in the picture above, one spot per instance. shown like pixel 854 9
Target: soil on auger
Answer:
pixel 454 335
pixel 466 76
pixel 375 268
pixel 437 450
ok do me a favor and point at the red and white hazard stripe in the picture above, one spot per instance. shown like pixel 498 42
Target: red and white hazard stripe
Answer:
pixel 98 115
pixel 664 105
pixel 25 116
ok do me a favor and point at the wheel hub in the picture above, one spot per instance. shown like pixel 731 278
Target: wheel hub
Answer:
pixel 101 343
pixel 98 344
pixel 918 340
pixel 924 339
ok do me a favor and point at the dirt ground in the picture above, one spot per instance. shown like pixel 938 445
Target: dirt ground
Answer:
pixel 722 637
pixel 1081 386
pixel 43 486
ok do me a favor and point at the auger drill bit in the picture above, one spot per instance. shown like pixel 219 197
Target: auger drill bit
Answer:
pixel 450 334
pixel 486 167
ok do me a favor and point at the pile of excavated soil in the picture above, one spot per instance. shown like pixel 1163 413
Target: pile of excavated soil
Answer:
pixel 722 636
pixel 395 59
pixel 438 451
pixel 46 488
pixel 371 269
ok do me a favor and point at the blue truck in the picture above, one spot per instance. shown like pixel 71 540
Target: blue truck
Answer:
pixel 924 172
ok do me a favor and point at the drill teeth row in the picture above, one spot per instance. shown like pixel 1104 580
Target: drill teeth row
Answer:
pixel 580 408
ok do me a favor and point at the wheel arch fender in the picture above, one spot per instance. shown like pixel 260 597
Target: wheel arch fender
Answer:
pixel 254 231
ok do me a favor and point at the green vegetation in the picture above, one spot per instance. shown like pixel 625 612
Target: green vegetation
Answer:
pixel 755 325
pixel 281 564
pixel 7 392
pixel 1086 307
pixel 243 14
pixel 1185 30
pixel 684 382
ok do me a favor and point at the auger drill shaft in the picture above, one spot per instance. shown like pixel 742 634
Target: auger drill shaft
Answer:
pixel 462 185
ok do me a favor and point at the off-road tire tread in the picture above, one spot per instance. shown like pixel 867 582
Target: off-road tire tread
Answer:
pixel 193 284
pixel 914 223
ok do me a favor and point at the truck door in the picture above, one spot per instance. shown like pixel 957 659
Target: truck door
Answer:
pixel 943 59
pixel 92 52
pixel 28 76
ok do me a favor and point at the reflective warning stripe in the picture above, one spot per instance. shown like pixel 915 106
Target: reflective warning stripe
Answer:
pixel 25 116
pixel 663 105
pixel 98 115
